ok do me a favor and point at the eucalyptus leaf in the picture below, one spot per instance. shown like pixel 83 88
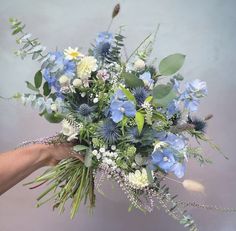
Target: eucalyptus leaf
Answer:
pixel 149 175
pixel 163 94
pixel 88 158
pixel 171 64
pixel 38 78
pixel 132 80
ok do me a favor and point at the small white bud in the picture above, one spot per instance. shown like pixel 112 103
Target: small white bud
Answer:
pixel 113 147
pixel 95 100
pixel 64 80
pixel 77 83
pixel 139 65
pixel 102 150
pixel 53 107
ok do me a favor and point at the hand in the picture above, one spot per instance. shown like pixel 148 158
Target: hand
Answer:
pixel 54 153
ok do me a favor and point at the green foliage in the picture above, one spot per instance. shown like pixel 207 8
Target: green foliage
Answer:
pixel 46 89
pixel 29 46
pixel 163 94
pixel 79 148
pixel 171 64
pixel 139 118
pixel 132 80
pixel 53 117
pixel 195 153
pixel 115 50
pixel 38 79
pixel 31 86
pixel 128 94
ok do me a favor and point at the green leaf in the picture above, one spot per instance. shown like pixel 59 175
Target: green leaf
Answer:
pixel 53 117
pixel 149 175
pixel 31 86
pixel 38 78
pixel 148 99
pixel 79 148
pixel 128 94
pixel 88 158
pixel 139 118
pixel 171 64
pixel 163 94
pixel 132 80
pixel 46 89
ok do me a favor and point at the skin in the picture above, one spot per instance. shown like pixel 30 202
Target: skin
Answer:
pixel 18 164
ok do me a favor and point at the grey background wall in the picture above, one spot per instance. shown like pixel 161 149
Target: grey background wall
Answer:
pixel 203 30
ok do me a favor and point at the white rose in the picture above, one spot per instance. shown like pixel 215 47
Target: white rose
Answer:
pixel 69 131
pixel 139 65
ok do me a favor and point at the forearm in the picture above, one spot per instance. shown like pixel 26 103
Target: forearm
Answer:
pixel 18 164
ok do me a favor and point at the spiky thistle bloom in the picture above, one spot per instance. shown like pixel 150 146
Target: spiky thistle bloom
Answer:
pixel 109 131
pixel 140 95
pixel 199 124
pixel 85 109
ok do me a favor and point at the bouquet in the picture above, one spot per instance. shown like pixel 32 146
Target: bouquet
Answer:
pixel 129 120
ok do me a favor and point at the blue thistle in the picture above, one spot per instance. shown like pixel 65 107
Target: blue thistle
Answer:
pixel 109 131
pixel 199 124
pixel 85 109
pixel 140 94
pixel 101 50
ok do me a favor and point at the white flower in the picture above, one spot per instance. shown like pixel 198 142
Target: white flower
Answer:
pixel 86 65
pixel 139 65
pixel 77 83
pixel 71 54
pixel 64 80
pixel 98 156
pixel 69 131
pixel 113 147
pixel 95 152
pixel 95 100
pixel 139 178
pixel 83 94
pixel 102 150
pixel 53 107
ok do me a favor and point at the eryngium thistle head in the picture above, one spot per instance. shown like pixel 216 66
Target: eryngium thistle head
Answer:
pixel 109 131
pixel 199 124
pixel 116 10
pixel 101 50
pixel 85 109
pixel 140 95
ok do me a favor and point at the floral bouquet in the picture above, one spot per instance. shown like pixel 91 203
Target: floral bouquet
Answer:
pixel 128 119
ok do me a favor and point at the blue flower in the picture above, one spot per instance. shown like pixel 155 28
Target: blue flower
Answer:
pixel 140 95
pixel 120 108
pixel 119 95
pixel 103 44
pixel 173 108
pixel 109 131
pixel 164 159
pixel 195 90
pixel 179 169
pixel 147 79
pixel 104 37
pixel 175 142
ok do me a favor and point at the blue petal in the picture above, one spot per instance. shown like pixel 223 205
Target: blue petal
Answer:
pixel 129 107
pixel 117 116
pixel 179 170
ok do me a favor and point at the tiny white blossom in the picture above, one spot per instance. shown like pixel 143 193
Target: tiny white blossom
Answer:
pixel 64 80
pixel 83 94
pixel 95 152
pixel 113 147
pixel 95 100
pixel 139 65
pixel 102 150
pixel 77 83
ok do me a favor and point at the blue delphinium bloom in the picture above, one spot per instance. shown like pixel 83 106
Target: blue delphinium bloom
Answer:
pixel 176 142
pixel 103 44
pixel 179 169
pixel 120 108
pixel 163 159
pixel 119 95
pixel 195 90
pixel 147 79
pixel 166 160
pixel 172 108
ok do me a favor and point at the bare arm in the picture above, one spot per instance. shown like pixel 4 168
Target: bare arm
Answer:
pixel 17 164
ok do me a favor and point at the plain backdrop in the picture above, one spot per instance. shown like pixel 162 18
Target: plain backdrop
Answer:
pixel 203 30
